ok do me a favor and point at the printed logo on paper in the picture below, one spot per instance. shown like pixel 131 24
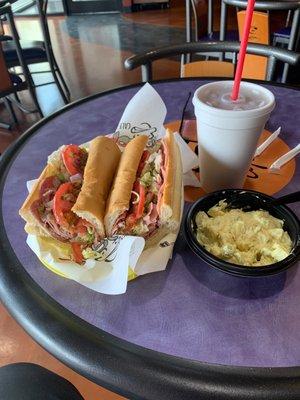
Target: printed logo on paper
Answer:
pixel 108 248
pixel 126 132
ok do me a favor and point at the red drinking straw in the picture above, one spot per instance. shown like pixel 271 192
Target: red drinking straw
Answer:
pixel 242 53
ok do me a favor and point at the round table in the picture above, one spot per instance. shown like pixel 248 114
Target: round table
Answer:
pixel 188 332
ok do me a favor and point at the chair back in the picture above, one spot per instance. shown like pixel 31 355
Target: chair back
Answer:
pixel 26 82
pixel 255 67
pixel 1 27
pixel 274 54
pixel 200 13
pixel 42 6
pixel 6 12
pixel 5 81
pixel 208 68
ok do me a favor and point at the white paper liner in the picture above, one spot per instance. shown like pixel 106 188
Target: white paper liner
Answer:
pixel 144 114
pixel 108 276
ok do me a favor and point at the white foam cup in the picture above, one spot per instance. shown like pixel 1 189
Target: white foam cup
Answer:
pixel 228 131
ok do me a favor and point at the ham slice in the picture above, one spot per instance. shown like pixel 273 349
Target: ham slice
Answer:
pixel 55 229
pixel 48 188
pixel 152 215
pixel 120 223
pixel 163 172
pixel 152 229
pixel 47 219
pixel 42 209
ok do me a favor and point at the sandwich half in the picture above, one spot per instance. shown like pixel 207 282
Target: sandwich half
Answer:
pixel 146 196
pixel 68 200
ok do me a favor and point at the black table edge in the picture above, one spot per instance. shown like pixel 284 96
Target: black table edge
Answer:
pixel 120 366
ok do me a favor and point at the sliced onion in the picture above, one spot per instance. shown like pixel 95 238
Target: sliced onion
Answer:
pixel 137 197
pixel 48 192
pixel 56 182
pixel 76 178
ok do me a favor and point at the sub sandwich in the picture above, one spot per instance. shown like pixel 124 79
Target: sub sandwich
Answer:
pixel 146 196
pixel 68 200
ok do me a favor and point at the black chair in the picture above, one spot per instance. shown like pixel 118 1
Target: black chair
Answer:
pixel 268 6
pixel 11 83
pixel 38 51
pixel 274 54
pixel 202 10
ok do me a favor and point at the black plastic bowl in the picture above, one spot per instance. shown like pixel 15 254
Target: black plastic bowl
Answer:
pixel 247 200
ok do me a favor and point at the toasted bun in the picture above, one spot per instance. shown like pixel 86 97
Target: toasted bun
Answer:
pixel 171 205
pixel 120 195
pixel 25 211
pixel 159 234
pixel 101 165
pixel 52 168
pixel 102 162
pixel 170 208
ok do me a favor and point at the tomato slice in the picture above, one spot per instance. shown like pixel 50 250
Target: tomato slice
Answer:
pixel 63 201
pixel 142 163
pixel 141 203
pixel 77 252
pixel 81 226
pixel 74 159
pixel 145 156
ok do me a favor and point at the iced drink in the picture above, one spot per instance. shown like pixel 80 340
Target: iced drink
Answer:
pixel 228 131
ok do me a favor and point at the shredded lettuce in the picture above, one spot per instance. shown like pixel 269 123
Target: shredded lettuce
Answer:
pixel 146 179
pixel 89 237
pixel 154 188
pixel 41 208
pixel 62 177
pixel 140 228
pixel 90 253
pixel 150 170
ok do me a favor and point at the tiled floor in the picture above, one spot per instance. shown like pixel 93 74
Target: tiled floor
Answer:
pixel 17 346
pixel 91 50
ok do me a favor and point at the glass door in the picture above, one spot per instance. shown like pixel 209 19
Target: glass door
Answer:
pixel 92 6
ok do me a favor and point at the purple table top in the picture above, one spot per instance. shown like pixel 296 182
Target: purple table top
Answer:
pixel 190 310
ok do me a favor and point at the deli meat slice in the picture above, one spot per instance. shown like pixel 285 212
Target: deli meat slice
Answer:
pixel 152 215
pixel 48 221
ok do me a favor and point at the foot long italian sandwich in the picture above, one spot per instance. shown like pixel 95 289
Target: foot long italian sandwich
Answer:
pixel 68 200
pixel 146 196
